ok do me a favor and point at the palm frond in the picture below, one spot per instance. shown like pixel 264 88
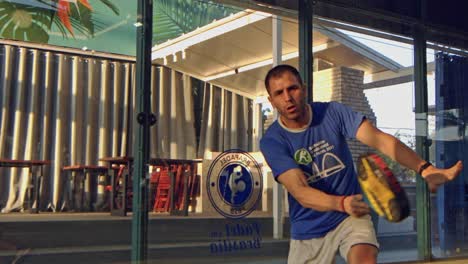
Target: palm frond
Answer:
pixel 172 18
pixel 60 27
pixel 44 19
pixel 110 5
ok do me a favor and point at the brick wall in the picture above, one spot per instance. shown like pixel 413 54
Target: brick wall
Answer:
pixel 344 85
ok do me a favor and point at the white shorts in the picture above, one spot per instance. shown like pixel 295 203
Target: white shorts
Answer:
pixel 350 232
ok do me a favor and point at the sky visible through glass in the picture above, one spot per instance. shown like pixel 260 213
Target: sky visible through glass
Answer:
pixel 393 105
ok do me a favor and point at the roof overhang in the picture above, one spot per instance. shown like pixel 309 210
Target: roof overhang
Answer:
pixel 236 52
pixel 441 20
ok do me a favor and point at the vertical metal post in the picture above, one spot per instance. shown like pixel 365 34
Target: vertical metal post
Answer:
pixel 305 45
pixel 423 199
pixel 422 143
pixel 145 119
pixel 277 39
pixel 277 188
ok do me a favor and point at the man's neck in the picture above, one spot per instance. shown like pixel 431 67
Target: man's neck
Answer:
pixel 303 121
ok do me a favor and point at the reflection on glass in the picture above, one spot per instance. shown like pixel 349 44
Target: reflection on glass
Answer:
pixel 59 113
pixel 207 92
pixel 450 229
pixel 235 59
pixel 35 20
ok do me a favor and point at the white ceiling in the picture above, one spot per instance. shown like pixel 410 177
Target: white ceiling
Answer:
pixel 236 52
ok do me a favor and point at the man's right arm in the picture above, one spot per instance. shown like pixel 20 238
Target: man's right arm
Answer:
pixel 296 184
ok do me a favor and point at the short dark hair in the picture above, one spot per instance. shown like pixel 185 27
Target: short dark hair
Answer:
pixel 277 71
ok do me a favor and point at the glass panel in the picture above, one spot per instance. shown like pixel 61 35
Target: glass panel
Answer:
pixel 226 61
pixel 206 80
pixel 63 109
pixel 389 90
pixel 67 123
pixel 448 127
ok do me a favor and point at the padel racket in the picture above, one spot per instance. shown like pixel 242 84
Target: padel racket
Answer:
pixel 381 188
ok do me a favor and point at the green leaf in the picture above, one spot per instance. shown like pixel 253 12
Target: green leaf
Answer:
pixel 8 31
pixel 4 20
pixel 20 34
pixel 42 19
pixel 86 19
pixel 37 34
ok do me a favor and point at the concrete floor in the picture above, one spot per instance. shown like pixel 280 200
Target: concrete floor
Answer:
pixel 89 237
pixel 458 261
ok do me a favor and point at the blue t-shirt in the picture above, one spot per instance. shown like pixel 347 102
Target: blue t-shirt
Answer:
pixel 321 152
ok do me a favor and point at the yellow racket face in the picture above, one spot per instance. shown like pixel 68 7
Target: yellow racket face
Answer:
pixel 381 188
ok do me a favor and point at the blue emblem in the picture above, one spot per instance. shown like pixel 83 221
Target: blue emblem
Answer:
pixel 234 184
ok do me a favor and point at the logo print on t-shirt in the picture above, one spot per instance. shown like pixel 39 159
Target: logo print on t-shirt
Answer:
pixel 302 156
pixel 331 164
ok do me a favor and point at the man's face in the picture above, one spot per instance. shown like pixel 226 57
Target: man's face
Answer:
pixel 287 95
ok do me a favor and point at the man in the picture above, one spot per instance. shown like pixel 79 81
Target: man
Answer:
pixel 307 151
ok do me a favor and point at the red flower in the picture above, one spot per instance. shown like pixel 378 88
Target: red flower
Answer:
pixel 64 12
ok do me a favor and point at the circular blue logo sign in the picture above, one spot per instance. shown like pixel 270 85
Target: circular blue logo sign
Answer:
pixel 234 184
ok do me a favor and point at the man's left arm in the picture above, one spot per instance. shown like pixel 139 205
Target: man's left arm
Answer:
pixel 368 134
